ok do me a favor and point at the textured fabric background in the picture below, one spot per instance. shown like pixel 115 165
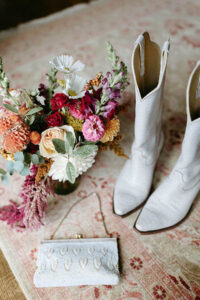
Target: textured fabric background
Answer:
pixel 165 265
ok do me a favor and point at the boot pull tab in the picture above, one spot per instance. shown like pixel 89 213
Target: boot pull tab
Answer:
pixel 165 51
pixel 198 90
pixel 140 41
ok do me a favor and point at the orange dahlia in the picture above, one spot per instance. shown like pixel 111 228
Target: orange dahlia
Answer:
pixel 16 138
pixel 111 131
pixel 8 122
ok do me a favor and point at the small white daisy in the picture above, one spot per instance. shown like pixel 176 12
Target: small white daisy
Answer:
pixel 74 86
pixel 66 64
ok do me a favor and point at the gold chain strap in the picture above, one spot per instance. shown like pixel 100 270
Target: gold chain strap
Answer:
pixel 68 212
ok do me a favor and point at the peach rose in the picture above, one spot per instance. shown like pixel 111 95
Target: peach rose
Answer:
pixel 47 148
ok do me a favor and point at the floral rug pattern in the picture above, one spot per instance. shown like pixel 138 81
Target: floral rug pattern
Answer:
pixel 164 265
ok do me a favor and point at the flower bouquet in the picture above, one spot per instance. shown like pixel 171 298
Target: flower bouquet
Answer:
pixel 52 135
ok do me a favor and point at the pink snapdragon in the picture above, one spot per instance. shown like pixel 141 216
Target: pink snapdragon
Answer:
pixel 110 109
pixel 93 128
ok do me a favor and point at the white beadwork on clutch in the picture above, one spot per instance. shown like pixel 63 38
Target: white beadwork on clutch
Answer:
pixel 77 262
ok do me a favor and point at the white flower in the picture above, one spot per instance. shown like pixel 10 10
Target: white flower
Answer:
pixel 66 64
pixel 74 86
pixel 41 100
pixel 58 168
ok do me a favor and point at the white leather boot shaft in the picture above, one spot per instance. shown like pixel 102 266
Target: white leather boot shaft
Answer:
pixel 170 203
pixel 134 182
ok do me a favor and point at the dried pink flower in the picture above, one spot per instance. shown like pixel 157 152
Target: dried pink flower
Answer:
pixel 30 212
pixel 34 200
pixel 12 215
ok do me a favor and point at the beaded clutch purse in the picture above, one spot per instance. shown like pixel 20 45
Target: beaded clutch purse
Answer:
pixel 79 261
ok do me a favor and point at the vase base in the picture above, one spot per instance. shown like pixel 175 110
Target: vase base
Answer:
pixel 65 188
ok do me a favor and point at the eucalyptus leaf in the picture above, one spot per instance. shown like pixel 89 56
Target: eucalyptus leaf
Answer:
pixel 27 158
pixel 10 167
pixel 25 171
pixel 11 108
pixel 59 145
pixel 35 159
pixel 38 152
pixel 18 166
pixel 34 110
pixel 5 179
pixel 71 172
pixel 3 172
pixel 19 156
pixel 41 160
pixel 85 150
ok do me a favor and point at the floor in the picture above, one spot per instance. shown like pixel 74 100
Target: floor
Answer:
pixel 10 290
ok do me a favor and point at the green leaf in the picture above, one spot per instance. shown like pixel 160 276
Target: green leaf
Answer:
pixel 25 171
pixel 41 160
pixel 19 156
pixel 34 110
pixel 31 120
pixel 10 167
pixel 71 172
pixel 112 55
pixel 18 166
pixel 3 172
pixel 69 142
pixel 88 143
pixel 70 138
pixel 11 107
pixel 35 159
pixel 27 99
pixel 59 145
pixel 116 79
pixel 27 158
pixel 85 150
pixel 5 179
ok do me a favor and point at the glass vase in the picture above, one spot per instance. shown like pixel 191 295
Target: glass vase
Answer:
pixel 66 187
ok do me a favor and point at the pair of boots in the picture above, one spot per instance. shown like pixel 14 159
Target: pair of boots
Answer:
pixel 172 200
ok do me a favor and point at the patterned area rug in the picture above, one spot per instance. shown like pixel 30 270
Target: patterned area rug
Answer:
pixel 165 265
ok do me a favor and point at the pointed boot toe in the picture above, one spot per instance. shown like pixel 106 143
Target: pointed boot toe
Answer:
pixel 125 202
pixel 150 220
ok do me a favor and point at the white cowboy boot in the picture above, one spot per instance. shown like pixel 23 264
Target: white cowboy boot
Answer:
pixel 148 67
pixel 172 200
